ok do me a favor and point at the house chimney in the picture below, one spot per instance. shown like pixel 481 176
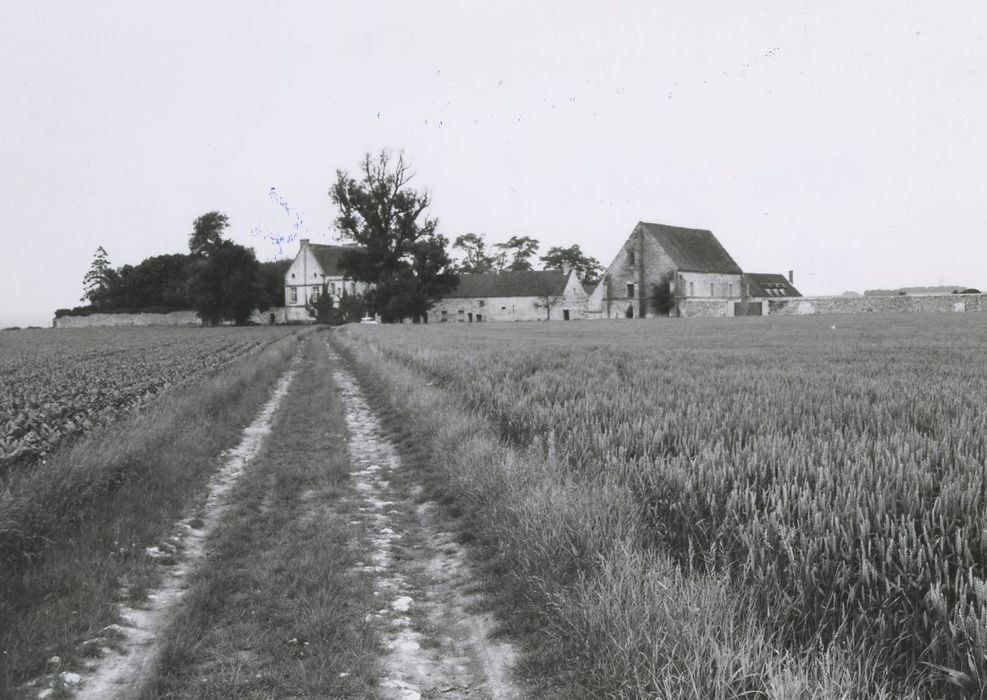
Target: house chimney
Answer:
pixel 791 277
pixel 304 242
pixel 566 269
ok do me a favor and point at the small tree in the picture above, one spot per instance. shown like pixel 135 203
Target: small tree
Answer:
pixel 97 281
pixel 662 299
pixel 476 259
pixel 207 233
pixel 587 269
pixel 322 308
pixel 515 254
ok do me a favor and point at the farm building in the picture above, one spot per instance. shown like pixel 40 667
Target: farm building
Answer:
pixel 313 265
pixel 514 296
pixel 701 277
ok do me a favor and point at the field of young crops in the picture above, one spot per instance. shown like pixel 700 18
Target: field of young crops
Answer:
pixel 833 468
pixel 61 383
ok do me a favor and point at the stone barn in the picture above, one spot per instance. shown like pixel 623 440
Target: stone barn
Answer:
pixel 534 295
pixel 700 275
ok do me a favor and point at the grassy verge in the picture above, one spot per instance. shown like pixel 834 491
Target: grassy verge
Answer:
pixel 73 530
pixel 279 608
pixel 597 613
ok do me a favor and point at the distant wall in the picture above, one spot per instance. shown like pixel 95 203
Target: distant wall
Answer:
pixel 940 303
pixel 175 318
pixel 697 306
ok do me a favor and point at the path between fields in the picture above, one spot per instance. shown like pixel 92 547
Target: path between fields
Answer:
pixel 124 664
pixel 439 644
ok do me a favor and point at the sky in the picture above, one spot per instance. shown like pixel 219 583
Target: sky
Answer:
pixel 843 140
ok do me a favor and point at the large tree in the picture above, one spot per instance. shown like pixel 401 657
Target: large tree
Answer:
pixel 226 284
pixel 516 253
pixel 207 233
pixel 399 252
pixel 588 269
pixel 476 259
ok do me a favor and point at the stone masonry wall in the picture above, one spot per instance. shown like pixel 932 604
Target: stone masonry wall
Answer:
pixel 699 307
pixel 943 303
pixel 175 318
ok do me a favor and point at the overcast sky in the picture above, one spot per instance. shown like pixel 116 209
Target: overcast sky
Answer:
pixel 844 140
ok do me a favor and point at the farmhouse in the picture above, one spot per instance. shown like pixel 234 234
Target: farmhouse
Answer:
pixel 700 276
pixel 313 265
pixel 546 295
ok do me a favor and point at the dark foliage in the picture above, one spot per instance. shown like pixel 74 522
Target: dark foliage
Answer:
pixel 399 251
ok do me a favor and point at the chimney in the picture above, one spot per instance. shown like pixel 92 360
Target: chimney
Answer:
pixel 791 277
pixel 304 242
pixel 566 269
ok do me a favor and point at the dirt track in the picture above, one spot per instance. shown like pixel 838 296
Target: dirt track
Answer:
pixel 439 646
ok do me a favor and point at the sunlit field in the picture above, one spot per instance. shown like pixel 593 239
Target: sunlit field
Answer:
pixel 828 471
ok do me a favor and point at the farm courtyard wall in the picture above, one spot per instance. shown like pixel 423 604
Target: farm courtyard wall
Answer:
pixel 940 303
pixel 175 318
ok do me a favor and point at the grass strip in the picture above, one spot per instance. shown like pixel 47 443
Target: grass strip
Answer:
pixel 73 531
pixel 596 613
pixel 279 608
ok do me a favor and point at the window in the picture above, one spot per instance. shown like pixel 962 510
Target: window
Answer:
pixel 630 258
pixel 711 290
pixel 692 289
pixel 630 289
pixel 293 295
pixel 730 289
pixel 445 315
pixel 332 287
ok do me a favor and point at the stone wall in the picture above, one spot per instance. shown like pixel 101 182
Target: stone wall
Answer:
pixel 940 303
pixel 699 307
pixel 175 318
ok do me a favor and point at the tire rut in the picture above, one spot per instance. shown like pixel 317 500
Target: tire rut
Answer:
pixel 438 645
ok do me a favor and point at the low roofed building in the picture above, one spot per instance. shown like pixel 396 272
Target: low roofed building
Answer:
pixel 533 295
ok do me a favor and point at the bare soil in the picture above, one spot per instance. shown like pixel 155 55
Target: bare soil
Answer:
pixel 440 641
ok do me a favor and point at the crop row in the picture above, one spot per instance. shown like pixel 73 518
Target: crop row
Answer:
pixel 837 475
pixel 62 383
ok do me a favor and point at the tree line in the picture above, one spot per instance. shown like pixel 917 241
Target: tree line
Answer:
pixel 399 253
pixel 220 279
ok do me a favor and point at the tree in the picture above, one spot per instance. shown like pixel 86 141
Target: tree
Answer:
pixel 96 282
pixel 271 282
pixel 587 269
pixel 226 284
pixel 161 280
pixel 516 253
pixel 322 308
pixel 207 233
pixel 476 259
pixel 399 254
pixel 662 299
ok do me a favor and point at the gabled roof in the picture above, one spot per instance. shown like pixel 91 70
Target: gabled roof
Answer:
pixel 531 283
pixel 328 257
pixel 769 285
pixel 692 249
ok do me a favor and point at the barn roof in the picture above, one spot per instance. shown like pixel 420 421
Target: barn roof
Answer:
pixel 328 257
pixel 531 283
pixel 692 249
pixel 769 285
